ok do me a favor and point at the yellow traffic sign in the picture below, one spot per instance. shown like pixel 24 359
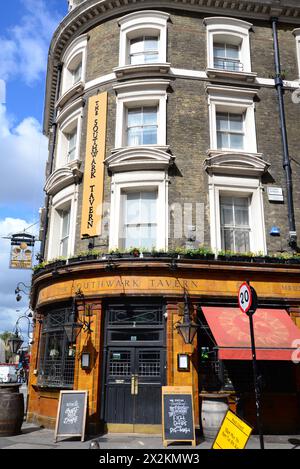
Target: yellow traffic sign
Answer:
pixel 234 433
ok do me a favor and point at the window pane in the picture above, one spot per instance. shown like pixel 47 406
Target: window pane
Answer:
pixel 151 43
pixel 222 121
pixel 148 237
pixel 72 137
pixel 242 243
pixel 226 212
pixel 65 223
pixel 241 210
pixel 135 136
pixel 150 58
pixel 236 122
pixel 148 207
pixel 132 235
pixel 136 45
pixel 77 73
pixel 222 140
pixel 132 201
pixel 219 50
pixel 150 136
pixel 228 239
pixel 236 141
pixel 150 115
pixel 232 52
pixel 134 117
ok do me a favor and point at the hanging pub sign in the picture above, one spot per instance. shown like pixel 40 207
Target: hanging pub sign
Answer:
pixel 22 250
pixel 93 186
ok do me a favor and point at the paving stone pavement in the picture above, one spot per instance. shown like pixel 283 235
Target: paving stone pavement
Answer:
pixel 34 437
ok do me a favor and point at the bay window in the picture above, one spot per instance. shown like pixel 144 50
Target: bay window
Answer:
pixel 57 357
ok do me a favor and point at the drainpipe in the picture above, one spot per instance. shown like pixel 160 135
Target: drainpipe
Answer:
pixel 286 158
pixel 51 158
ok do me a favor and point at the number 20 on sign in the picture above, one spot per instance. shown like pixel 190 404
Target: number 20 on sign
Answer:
pixel 245 297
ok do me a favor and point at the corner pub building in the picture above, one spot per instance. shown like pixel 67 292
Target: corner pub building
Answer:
pixel 173 151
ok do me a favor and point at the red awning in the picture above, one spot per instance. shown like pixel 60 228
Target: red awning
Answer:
pixel 276 336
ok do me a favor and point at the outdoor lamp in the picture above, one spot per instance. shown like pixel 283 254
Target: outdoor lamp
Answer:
pixel 15 342
pixel 188 328
pixel 85 360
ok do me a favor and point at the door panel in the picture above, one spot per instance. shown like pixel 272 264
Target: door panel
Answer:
pixel 133 385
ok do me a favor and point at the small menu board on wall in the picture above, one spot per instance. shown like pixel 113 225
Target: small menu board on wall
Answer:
pixel 178 414
pixel 71 414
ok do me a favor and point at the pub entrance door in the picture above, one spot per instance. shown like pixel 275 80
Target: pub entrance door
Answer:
pixel 135 367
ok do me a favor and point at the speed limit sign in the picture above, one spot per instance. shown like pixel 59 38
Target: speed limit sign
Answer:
pixel 245 297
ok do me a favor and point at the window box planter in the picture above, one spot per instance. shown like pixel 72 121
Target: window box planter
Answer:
pixel 274 260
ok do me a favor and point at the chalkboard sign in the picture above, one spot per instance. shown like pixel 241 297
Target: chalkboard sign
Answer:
pixel 71 414
pixel 178 414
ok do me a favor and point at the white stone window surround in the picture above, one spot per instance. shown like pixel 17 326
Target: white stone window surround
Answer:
pixel 296 33
pixel 232 30
pixel 237 187
pixel 233 100
pixel 139 181
pixel 141 23
pixel 141 93
pixel 67 121
pixel 74 53
pixel 68 197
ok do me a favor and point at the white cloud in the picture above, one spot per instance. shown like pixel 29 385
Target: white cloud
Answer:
pixel 23 156
pixel 9 278
pixel 24 47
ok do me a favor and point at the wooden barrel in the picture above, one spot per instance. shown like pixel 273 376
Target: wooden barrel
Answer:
pixel 214 408
pixel 11 410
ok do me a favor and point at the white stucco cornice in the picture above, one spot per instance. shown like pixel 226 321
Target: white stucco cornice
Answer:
pixel 89 13
pixel 235 163
pixel 139 158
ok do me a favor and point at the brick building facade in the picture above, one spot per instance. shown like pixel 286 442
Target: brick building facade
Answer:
pixel 178 102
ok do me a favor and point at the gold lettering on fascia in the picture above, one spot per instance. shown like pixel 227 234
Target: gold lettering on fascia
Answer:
pixel 94 154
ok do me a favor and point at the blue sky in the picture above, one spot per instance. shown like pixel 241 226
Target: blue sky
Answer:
pixel 26 28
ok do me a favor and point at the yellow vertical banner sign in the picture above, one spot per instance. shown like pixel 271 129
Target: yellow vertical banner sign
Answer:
pixel 93 186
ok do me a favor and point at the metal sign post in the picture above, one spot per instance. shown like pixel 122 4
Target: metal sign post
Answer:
pixel 248 304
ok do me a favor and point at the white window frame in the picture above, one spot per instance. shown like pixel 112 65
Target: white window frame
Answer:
pixel 230 29
pixel 233 100
pixel 233 227
pixel 76 50
pixel 139 181
pixel 237 187
pixel 68 197
pixel 141 23
pixel 296 33
pixel 148 93
pixel 66 124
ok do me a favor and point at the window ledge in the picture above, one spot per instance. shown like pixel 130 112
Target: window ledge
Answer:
pixel 75 90
pixel 142 69
pixel 235 163
pixel 63 177
pixel 215 73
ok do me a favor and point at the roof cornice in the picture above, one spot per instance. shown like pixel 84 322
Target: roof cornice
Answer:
pixel 92 12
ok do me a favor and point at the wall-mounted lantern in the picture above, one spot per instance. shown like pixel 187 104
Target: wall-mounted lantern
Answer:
pixel 188 328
